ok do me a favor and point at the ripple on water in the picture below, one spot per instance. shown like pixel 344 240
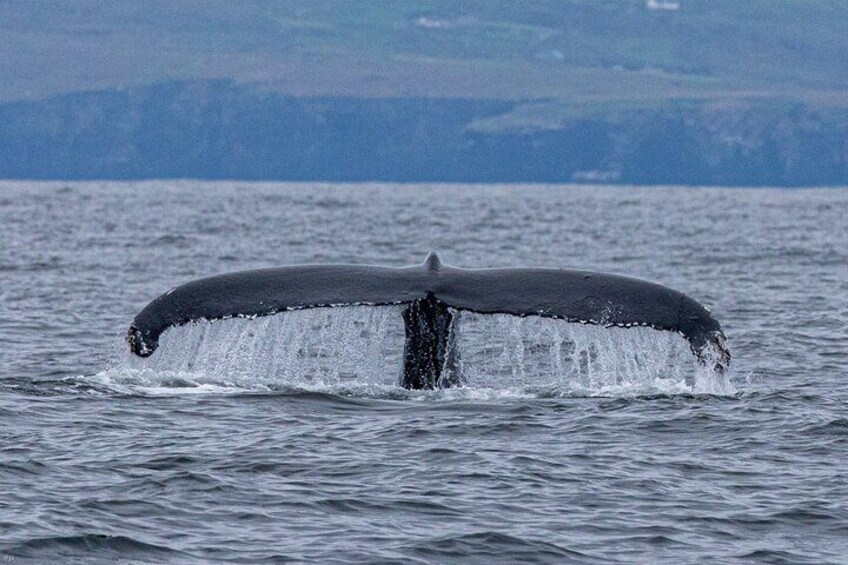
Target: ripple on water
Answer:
pixel 289 439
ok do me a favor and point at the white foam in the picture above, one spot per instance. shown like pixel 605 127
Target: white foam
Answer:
pixel 358 351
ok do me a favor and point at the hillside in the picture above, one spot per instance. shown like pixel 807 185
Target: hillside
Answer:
pixel 438 48
pixel 631 91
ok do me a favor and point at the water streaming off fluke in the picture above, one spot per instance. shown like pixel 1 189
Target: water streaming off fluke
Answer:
pixel 358 349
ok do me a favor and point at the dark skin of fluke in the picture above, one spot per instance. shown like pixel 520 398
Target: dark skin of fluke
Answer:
pixel 435 295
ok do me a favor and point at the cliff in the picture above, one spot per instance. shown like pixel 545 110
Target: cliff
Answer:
pixel 219 129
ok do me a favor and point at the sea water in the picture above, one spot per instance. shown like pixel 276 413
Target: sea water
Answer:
pixel 287 438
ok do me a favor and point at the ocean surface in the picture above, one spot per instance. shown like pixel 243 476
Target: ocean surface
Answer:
pixel 287 438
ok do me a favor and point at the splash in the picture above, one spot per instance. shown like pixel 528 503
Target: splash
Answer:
pixel 543 354
pixel 357 350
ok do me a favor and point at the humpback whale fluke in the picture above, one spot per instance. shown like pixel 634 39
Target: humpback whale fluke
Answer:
pixel 435 295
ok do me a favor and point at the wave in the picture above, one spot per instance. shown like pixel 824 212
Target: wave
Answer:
pixel 492 545
pixel 88 546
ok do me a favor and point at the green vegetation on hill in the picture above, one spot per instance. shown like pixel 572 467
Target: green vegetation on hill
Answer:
pixel 566 49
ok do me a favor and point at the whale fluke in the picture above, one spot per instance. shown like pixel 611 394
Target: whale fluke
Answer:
pixel 435 294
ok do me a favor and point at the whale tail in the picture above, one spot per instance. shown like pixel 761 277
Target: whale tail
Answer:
pixel 435 295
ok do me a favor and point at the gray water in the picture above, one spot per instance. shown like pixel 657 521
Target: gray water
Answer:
pixel 287 438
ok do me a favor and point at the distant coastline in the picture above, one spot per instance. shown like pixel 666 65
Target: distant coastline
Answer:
pixel 226 130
